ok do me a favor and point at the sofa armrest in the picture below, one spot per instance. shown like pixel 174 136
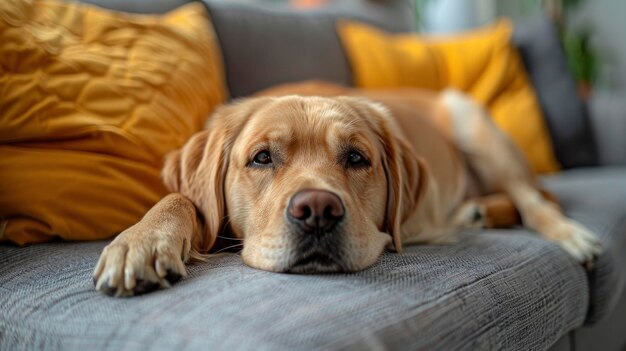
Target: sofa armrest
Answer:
pixel 607 112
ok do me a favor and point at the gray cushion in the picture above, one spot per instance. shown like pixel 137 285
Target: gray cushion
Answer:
pixel 597 198
pixel 564 111
pixel 501 289
pixel 496 290
pixel 265 46
pixel 608 118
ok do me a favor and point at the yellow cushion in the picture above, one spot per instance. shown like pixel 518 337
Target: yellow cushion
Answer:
pixel 482 63
pixel 91 100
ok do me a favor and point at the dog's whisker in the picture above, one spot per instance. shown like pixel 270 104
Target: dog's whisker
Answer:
pixel 226 223
pixel 227 247
pixel 227 238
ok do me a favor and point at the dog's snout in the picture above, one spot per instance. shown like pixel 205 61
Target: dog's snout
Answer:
pixel 316 209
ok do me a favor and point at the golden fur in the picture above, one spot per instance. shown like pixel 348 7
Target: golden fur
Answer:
pixel 430 161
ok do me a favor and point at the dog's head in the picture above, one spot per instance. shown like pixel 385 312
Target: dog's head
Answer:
pixel 311 184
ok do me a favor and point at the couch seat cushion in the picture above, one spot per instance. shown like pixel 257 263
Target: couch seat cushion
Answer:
pixel 500 289
pixel 497 290
pixel 597 198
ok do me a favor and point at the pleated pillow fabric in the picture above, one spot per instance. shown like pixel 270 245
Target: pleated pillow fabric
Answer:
pixel 90 102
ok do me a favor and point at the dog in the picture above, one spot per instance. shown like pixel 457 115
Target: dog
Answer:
pixel 316 177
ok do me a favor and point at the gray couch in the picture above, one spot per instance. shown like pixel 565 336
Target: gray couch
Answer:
pixel 496 289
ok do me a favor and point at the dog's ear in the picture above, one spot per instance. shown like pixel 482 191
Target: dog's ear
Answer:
pixel 199 169
pixel 407 174
pixel 407 182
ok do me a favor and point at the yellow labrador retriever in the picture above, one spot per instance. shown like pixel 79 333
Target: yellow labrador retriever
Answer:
pixel 323 184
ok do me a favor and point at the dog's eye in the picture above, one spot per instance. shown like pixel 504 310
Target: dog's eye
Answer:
pixel 262 158
pixel 356 159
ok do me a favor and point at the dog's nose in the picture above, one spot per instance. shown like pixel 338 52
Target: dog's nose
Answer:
pixel 315 209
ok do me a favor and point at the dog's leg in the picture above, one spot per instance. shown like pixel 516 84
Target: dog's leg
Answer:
pixel 493 211
pixel 499 211
pixel 501 167
pixel 150 254
pixel 471 214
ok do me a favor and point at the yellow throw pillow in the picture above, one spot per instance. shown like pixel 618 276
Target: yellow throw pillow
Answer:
pixel 90 102
pixel 482 63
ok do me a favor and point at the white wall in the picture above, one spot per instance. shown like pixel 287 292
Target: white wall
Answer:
pixel 449 16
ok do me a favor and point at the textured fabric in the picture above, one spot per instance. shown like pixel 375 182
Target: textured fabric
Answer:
pixel 91 102
pixel 608 118
pixel 268 45
pixel 565 113
pixel 481 62
pixel 492 291
pixel 607 334
pixel 597 198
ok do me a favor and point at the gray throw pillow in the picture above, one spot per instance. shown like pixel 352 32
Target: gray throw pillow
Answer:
pixel 565 113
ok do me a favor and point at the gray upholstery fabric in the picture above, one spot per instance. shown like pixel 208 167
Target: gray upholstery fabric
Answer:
pixel 492 291
pixel 607 334
pixel 266 46
pixel 263 47
pixel 597 198
pixel 564 111
pixel 505 289
pixel 608 119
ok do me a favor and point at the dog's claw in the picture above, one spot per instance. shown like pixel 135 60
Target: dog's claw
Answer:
pixel 590 265
pixel 578 241
pixel 145 286
pixel 172 277
pixel 109 290
pixel 127 269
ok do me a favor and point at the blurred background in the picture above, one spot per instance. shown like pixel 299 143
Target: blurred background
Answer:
pixel 592 31
pixel 590 34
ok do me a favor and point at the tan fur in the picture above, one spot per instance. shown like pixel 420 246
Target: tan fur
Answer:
pixel 433 157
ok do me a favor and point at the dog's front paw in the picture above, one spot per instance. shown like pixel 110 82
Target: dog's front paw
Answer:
pixel 576 239
pixel 138 262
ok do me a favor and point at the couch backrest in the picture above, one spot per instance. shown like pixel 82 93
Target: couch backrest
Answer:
pixel 264 46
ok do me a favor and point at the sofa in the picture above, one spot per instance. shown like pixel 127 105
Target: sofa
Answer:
pixel 494 289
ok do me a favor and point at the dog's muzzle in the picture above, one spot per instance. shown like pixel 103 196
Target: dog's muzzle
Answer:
pixel 315 211
pixel 316 215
